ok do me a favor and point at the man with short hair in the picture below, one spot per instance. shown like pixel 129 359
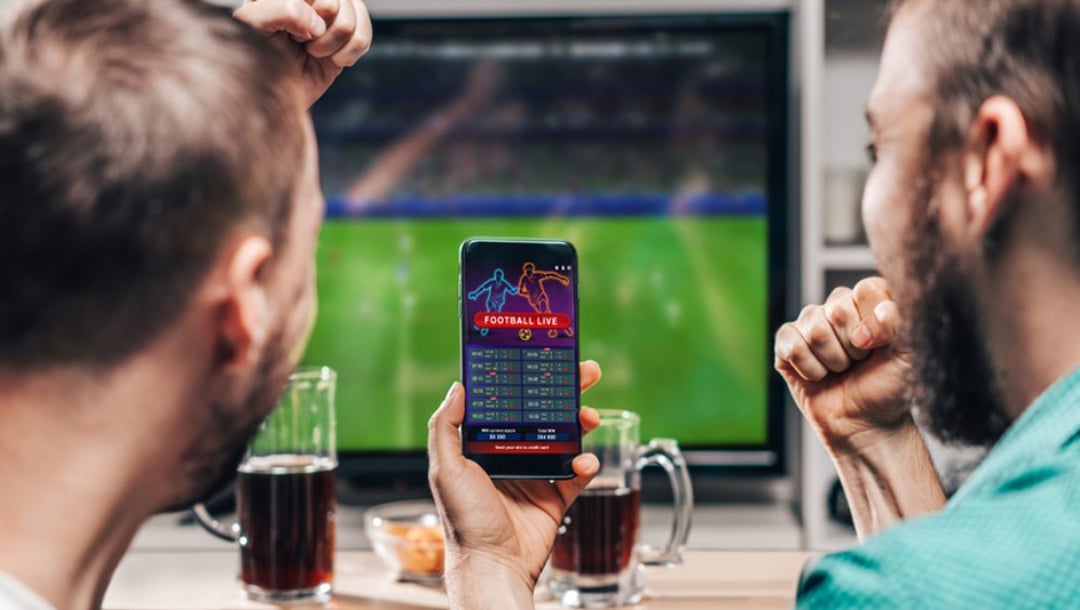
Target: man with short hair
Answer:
pixel 158 213
pixel 973 213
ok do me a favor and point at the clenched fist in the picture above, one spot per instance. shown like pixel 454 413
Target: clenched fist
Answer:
pixel 846 368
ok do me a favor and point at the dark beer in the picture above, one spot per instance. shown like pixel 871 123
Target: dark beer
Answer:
pixel 599 532
pixel 286 509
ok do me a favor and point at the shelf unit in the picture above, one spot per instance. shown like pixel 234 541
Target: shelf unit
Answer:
pixel 847 258
pixel 840 47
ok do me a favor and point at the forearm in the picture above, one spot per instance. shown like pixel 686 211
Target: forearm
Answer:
pixel 478 584
pixel 889 480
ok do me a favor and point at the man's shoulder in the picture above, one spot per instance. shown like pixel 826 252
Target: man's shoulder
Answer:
pixel 1012 545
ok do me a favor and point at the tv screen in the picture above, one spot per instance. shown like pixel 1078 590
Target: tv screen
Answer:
pixel 655 145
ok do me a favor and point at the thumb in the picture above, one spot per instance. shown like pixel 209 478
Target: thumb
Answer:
pixel 879 329
pixel 586 466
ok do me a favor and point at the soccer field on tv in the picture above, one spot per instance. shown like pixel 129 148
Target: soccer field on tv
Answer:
pixel 673 308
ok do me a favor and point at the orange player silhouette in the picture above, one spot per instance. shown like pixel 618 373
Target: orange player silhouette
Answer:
pixel 531 286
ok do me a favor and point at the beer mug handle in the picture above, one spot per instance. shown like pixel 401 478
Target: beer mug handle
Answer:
pixel 664 452
pixel 227 532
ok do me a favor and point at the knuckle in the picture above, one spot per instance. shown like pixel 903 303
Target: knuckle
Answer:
pixel 783 353
pixel 796 351
pixel 807 312
pixel 818 336
pixel 783 347
pixel 870 287
pixel 343 27
pixel 347 16
pixel 350 60
pixel 838 294
pixel 837 314
pixel 362 42
pixel 877 282
pixel 783 335
pixel 294 10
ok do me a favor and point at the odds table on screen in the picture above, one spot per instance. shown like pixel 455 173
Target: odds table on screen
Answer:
pixel 521 385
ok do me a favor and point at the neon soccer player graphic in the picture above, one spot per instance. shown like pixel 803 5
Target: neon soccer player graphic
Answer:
pixel 496 288
pixel 531 286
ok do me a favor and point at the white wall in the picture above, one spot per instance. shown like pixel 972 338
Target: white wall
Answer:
pixel 848 80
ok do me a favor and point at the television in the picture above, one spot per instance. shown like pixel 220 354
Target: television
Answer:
pixel 657 145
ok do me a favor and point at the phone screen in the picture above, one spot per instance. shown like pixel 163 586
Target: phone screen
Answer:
pixel 520 357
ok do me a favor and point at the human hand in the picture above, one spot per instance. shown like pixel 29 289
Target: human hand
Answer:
pixel 497 531
pixel 846 369
pixel 322 36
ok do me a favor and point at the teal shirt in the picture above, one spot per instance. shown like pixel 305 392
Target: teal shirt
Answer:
pixel 1008 539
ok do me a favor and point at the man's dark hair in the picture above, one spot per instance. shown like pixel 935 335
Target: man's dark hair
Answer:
pixel 135 135
pixel 1026 50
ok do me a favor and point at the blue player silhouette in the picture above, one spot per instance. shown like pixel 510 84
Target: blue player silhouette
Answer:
pixel 496 288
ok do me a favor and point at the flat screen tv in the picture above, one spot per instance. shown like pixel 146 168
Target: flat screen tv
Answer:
pixel 657 145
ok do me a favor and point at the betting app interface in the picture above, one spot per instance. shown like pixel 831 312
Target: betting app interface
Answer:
pixel 520 350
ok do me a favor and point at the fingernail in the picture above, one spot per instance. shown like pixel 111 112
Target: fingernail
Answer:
pixel 861 337
pixel 881 311
pixel 450 392
pixel 594 462
pixel 589 463
pixel 317 27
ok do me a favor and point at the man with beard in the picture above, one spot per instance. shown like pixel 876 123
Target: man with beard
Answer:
pixel 158 215
pixel 972 212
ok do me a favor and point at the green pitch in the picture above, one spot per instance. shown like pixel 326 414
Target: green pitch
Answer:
pixel 673 309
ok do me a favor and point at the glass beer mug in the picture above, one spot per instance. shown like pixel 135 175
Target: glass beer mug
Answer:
pixel 597 560
pixel 286 496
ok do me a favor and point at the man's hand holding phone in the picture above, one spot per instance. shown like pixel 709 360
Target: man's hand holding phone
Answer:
pixel 498 533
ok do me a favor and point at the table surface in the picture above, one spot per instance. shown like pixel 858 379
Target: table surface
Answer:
pixel 717 527
pixel 202 580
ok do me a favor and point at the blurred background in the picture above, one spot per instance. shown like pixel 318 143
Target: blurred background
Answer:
pixel 707 159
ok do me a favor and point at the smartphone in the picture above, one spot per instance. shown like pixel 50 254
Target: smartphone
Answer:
pixel 519 357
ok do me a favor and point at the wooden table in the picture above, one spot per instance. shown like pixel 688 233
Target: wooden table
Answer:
pixel 203 580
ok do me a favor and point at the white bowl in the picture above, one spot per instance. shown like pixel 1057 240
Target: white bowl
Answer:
pixel 408 537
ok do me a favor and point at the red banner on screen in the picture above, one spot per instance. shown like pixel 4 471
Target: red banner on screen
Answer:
pixel 521 448
pixel 544 321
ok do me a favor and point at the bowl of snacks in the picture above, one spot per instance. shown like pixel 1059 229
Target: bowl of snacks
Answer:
pixel 408 537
